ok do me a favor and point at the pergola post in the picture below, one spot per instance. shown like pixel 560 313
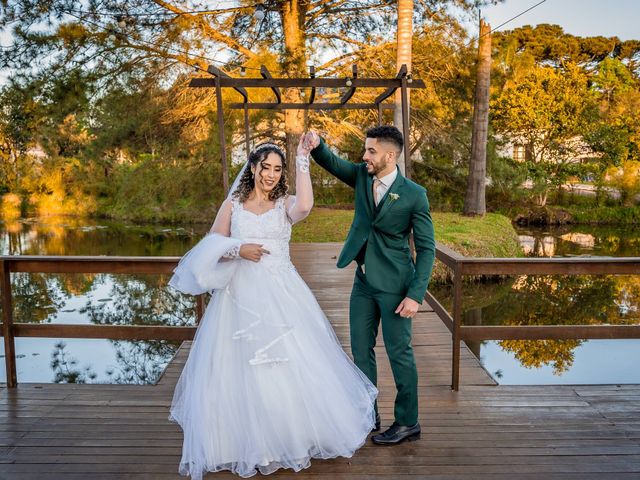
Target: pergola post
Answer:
pixel 223 145
pixel 222 80
pixel 247 130
pixel 405 126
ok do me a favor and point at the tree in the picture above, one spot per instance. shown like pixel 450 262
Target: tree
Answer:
pixel 116 37
pixel 404 39
pixel 547 111
pixel 550 45
pixel 21 116
pixel 615 135
pixel 611 69
pixel 475 203
pixel 625 178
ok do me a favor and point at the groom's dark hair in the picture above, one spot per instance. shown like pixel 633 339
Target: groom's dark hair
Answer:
pixel 387 133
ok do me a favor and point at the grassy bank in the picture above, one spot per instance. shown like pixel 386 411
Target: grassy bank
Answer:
pixel 490 236
pixel 601 215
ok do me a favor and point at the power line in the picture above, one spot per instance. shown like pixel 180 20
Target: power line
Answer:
pixel 519 15
pixel 466 45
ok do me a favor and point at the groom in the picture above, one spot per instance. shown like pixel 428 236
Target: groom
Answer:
pixel 389 286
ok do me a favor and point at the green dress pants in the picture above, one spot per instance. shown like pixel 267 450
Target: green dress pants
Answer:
pixel 368 307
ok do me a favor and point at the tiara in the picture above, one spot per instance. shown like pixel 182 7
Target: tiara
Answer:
pixel 268 145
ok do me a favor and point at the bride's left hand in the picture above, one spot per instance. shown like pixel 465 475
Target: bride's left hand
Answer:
pixel 308 141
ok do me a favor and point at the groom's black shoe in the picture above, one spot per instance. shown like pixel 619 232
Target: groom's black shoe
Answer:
pixel 376 427
pixel 397 434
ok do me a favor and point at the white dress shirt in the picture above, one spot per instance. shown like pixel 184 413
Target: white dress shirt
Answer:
pixel 385 183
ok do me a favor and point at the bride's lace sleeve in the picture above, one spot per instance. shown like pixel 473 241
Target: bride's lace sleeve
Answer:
pixel 299 206
pixel 222 226
pixel 232 253
pixel 203 268
pixel 222 223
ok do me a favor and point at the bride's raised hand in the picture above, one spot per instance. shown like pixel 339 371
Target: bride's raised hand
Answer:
pixel 308 141
pixel 252 251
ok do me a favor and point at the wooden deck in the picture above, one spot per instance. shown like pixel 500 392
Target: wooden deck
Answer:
pixel 481 432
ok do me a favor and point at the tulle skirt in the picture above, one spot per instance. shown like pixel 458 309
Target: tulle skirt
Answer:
pixel 267 384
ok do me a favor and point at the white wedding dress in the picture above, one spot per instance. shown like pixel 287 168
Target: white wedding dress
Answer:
pixel 267 384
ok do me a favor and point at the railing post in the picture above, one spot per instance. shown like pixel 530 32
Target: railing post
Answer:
pixel 199 308
pixel 7 325
pixel 457 319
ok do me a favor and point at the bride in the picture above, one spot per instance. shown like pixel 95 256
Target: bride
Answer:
pixel 267 384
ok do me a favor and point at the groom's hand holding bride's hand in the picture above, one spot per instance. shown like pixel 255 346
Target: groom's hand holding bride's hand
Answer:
pixel 308 141
pixel 408 308
pixel 252 251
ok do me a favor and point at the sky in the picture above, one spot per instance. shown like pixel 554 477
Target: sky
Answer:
pixel 620 18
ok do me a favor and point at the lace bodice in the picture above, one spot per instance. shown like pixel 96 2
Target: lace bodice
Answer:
pixel 272 229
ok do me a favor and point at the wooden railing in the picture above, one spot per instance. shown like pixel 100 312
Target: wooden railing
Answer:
pixel 461 266
pixel 63 264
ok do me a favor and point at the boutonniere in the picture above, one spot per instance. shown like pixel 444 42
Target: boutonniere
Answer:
pixel 394 196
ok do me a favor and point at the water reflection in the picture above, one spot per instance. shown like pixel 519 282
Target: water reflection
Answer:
pixel 76 236
pixel 553 300
pixel 144 300
pixel 103 300
pixel 548 300
pixel 594 361
pixel 538 247
pixel 139 362
pixel 95 299
pixel 570 240
pixel 65 367
pixel 90 360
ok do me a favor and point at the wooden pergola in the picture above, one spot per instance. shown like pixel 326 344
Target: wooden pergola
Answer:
pixel 220 80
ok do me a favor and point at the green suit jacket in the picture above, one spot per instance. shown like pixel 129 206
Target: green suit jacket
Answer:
pixel 382 232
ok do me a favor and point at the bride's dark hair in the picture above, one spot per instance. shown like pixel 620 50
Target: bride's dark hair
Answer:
pixel 258 155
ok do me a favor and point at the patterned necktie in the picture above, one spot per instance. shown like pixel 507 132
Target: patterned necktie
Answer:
pixel 376 184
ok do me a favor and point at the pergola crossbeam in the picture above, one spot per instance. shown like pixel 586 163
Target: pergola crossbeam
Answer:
pixel 267 76
pixel 391 90
pixel 216 72
pixel 222 80
pixel 311 106
pixel 349 93
pixel 230 82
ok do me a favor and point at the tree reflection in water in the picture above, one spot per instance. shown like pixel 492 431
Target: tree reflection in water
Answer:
pixel 145 300
pixel 134 300
pixel 65 368
pixel 36 297
pixel 548 300
pixel 141 300
pixel 562 300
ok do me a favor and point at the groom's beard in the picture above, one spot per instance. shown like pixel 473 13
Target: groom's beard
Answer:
pixel 374 168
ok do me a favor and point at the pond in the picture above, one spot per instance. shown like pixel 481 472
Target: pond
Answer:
pixel 145 300
pixel 95 299
pixel 563 300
